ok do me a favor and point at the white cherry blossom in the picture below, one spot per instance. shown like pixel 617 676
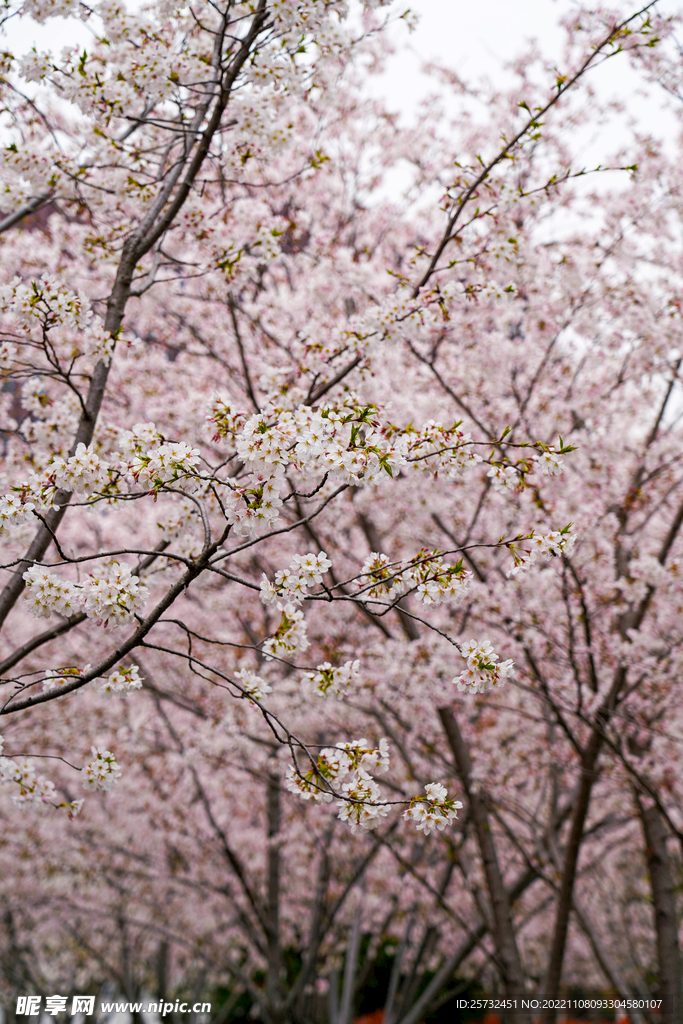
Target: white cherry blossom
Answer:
pixel 102 772
pixel 484 671
pixel 122 682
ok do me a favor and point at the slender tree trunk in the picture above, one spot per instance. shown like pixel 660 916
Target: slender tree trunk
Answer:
pixel 350 964
pixel 605 962
pixel 396 973
pixel 333 997
pixel 509 960
pixel 571 859
pixel 670 988
pixel 565 898
pixel 296 994
pixel 424 951
pixel 274 976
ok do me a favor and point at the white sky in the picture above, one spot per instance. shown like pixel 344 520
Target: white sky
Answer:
pixel 476 39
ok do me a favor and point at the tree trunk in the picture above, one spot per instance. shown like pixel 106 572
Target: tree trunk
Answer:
pixel 274 976
pixel 606 964
pixel 670 989
pixel 350 964
pixel 565 898
pixel 508 959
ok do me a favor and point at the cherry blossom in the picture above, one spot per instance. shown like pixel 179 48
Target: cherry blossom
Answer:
pixel 274 427
pixel 484 671
pixel 102 772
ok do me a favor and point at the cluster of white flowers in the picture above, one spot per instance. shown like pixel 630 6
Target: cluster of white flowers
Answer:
pixel 154 72
pixel 34 397
pixel 509 478
pixel 550 463
pixel 432 811
pixel 386 576
pixel 145 458
pixel 556 542
pixel 137 440
pixel 47 593
pixel 13 512
pixel 496 290
pixel 16 192
pixel 252 684
pixel 56 678
pixel 102 772
pixel 35 66
pixel 112 598
pixel 303 22
pixel 447 583
pixel 36 493
pixel 30 164
pixel 261 128
pixel 504 478
pixel 122 681
pixel 262 502
pixel 290 637
pixel 265 242
pixel 484 671
pixel 502 247
pixel 361 808
pixel 331 767
pixel 362 756
pixel 165 463
pixel 352 460
pixel 34 790
pixel 403 316
pixel 333 680
pixel 291 584
pixel 98 343
pixel 53 421
pixel 41 10
pixel 301 17
pixel 436 581
pixel 443 450
pixel 340 442
pixel 110 9
pixel 344 772
pixel 400 316
pixel 261 445
pixel 226 420
pixel 84 472
pixel 49 302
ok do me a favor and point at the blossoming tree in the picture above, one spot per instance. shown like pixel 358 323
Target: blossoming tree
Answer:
pixel 275 449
